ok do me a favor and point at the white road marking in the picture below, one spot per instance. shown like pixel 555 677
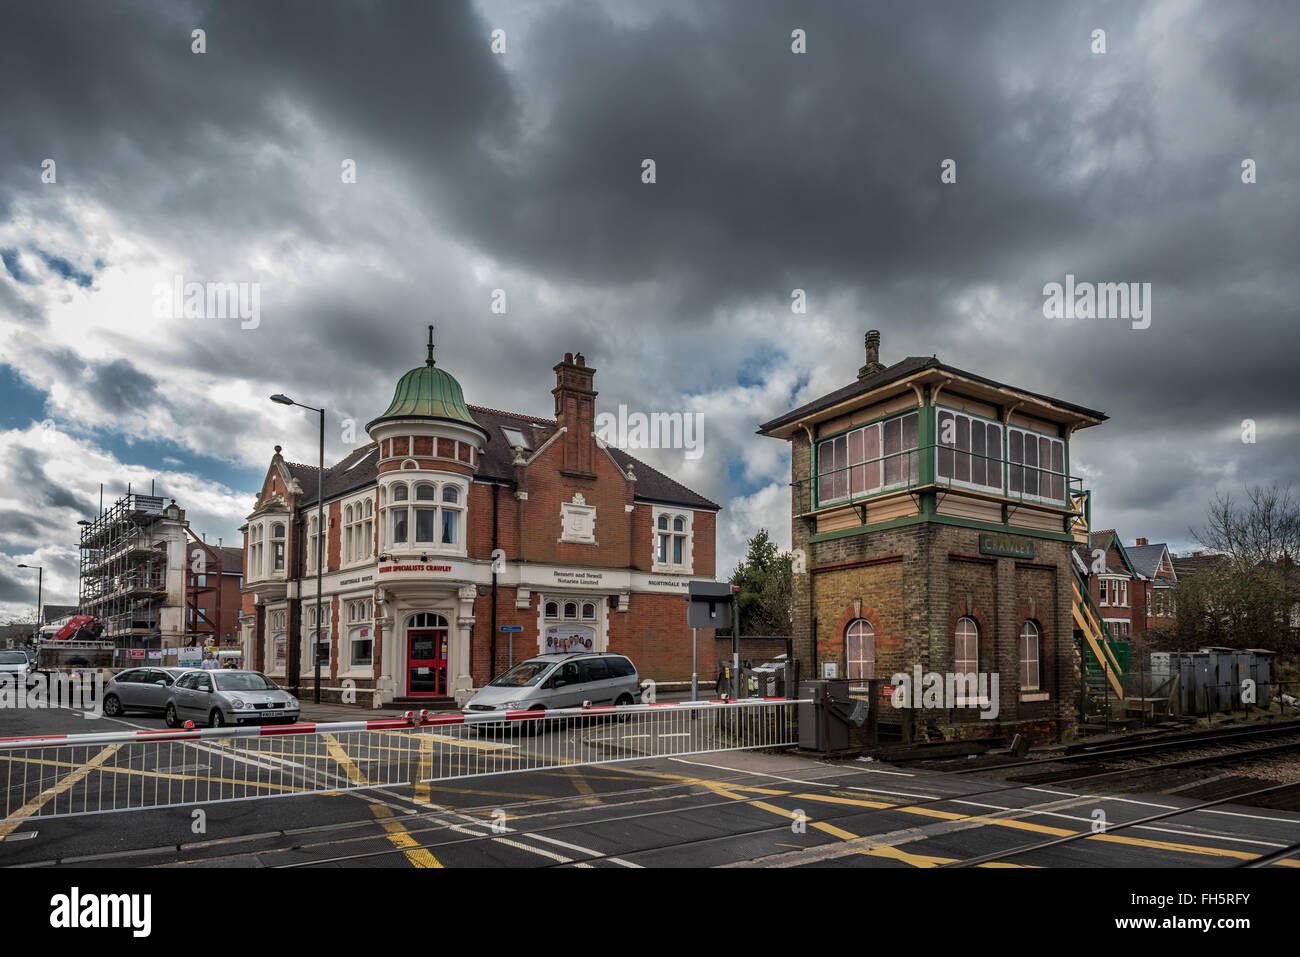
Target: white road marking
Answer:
pixel 579 849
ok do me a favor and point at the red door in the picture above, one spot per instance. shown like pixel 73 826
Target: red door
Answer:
pixel 426 661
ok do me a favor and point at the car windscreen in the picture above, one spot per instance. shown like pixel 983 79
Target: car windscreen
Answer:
pixel 243 682
pixel 12 658
pixel 523 675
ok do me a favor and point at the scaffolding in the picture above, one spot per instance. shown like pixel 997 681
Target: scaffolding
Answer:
pixel 124 560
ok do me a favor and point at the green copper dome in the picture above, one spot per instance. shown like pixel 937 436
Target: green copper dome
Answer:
pixel 429 392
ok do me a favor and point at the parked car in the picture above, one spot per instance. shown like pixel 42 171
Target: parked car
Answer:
pixel 548 682
pixel 16 663
pixel 226 696
pixel 140 689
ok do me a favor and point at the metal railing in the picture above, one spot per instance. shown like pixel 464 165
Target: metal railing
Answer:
pixel 69 775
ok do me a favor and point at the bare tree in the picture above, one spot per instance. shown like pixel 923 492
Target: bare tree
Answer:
pixel 1262 530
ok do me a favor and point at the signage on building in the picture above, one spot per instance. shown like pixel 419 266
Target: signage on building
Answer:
pixel 137 652
pixel 417 567
pixel 153 504
pixel 562 639
pixel 357 581
pixel 567 576
pixel 186 656
pixel 671 584
pixel 1006 546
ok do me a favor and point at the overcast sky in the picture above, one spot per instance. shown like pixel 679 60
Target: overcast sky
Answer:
pixel 522 171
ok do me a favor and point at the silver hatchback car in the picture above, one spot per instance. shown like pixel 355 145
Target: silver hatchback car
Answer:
pixel 548 682
pixel 228 696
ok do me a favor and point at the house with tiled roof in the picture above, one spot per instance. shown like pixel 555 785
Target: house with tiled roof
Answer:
pixel 456 522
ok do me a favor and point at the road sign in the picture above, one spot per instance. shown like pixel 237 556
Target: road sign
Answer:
pixel 512 627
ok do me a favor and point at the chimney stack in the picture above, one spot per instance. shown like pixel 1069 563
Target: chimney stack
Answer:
pixel 1140 542
pixel 873 355
pixel 575 411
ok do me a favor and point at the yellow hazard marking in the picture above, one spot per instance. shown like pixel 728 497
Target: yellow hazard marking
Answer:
pixel 344 760
pixel 425 771
pixel 400 838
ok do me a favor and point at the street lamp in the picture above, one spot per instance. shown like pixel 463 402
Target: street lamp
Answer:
pixel 40 580
pixel 283 399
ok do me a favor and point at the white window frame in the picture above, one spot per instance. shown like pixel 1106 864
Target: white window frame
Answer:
pixel 909 465
pixel 283 542
pixel 862 630
pixel 972 635
pixel 996 475
pixel 459 509
pixel 1036 660
pixel 686 534
pixel 1011 431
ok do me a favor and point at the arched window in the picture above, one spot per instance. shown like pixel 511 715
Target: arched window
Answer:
pixel 860 650
pixel 588 611
pixel 552 609
pixel 570 610
pixel 277 547
pixel 427 514
pixel 671 534
pixel 966 648
pixel 1030 672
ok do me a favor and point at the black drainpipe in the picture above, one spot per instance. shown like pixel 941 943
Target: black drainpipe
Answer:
pixel 492 641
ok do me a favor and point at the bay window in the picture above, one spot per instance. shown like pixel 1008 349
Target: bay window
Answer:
pixel 1035 465
pixel 970 450
pixel 425 513
pixel 874 458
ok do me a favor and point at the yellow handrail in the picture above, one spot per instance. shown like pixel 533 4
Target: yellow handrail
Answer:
pixel 1092 633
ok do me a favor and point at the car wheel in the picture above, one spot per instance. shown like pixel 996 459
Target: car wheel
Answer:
pixel 534 727
pixel 216 719
pixel 169 716
pixel 112 706
pixel 623 701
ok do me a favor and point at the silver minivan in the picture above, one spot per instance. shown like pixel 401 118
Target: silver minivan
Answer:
pixel 548 682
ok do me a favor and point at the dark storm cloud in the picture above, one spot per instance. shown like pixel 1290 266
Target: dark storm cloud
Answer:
pixel 775 171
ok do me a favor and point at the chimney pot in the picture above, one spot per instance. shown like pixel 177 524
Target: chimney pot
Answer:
pixel 580 360
pixel 873 354
pixel 568 358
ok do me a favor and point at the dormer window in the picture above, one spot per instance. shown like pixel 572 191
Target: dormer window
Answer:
pixel 515 439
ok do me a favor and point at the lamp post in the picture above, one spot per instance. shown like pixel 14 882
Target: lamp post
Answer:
pixel 40 579
pixel 320 531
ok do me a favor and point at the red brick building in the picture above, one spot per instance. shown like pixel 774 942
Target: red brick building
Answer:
pixel 1132 585
pixel 457 520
